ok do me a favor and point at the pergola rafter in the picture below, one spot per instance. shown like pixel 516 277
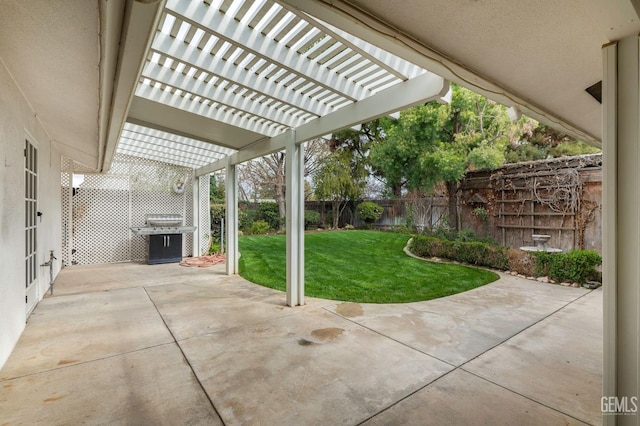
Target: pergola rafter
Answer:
pixel 291 117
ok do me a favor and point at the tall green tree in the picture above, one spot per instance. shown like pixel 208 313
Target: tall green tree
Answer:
pixel 334 182
pixel 441 142
pixel 354 145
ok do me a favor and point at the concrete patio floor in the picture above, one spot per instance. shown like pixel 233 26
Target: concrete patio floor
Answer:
pixel 164 344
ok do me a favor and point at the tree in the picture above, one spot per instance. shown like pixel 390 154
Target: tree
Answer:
pixel 356 144
pixel 216 188
pixel 441 142
pixel 264 178
pixel 333 182
pixel 539 141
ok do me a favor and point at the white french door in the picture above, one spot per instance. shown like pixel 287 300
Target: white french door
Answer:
pixel 30 225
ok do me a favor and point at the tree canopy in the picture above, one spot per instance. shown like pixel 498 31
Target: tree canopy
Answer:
pixel 441 142
pixel 334 183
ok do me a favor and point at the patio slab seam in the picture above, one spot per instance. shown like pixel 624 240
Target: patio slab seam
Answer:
pixel 524 396
pixel 460 367
pixel 527 328
pixel 184 356
pixel 476 356
pixel 389 337
pixel 295 310
pixel 88 361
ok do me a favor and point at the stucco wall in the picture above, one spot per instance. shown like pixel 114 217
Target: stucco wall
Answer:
pixel 17 123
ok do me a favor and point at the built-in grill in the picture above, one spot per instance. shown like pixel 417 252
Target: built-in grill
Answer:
pixel 163 233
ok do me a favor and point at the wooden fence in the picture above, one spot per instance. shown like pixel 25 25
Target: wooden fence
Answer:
pixel 559 197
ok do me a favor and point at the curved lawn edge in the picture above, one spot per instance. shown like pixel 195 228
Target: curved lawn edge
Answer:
pixel 359 266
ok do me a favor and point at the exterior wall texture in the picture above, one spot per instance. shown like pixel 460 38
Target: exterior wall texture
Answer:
pixel 17 123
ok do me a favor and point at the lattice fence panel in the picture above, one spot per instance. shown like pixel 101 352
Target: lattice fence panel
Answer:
pixel 107 205
pixel 203 211
pixel 101 221
pixel 65 194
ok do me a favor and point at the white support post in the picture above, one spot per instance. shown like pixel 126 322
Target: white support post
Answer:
pixel 231 217
pixel 621 224
pixel 295 221
pixel 195 205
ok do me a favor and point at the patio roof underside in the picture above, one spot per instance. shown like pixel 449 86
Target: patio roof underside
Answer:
pixel 240 78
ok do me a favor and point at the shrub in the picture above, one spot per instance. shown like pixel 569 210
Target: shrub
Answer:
pixel 217 212
pixel 522 262
pixel 259 227
pixel 214 248
pixel 270 213
pixel 441 231
pixel 369 212
pixel 402 229
pixel 473 252
pixel 245 219
pixel 311 219
pixel 465 235
pixel 574 266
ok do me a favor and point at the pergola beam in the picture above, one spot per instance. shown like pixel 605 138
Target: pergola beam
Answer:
pixel 174 100
pixel 162 117
pixel 424 88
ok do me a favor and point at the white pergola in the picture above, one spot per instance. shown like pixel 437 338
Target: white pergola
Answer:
pixel 226 81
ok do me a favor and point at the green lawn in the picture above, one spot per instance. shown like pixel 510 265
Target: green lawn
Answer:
pixel 358 266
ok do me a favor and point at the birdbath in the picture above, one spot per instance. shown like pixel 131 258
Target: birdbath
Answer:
pixel 541 241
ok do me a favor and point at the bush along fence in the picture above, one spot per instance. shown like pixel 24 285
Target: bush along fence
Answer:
pixel 575 266
pixel 257 219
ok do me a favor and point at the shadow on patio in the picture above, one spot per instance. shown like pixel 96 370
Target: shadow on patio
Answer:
pixel 139 344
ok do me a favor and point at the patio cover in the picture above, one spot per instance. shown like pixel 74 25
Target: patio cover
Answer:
pixel 234 78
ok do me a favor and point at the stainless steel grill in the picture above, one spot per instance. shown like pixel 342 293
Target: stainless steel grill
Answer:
pixel 158 224
pixel 163 233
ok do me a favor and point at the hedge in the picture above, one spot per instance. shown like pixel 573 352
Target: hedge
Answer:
pixel 573 266
pixel 472 252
